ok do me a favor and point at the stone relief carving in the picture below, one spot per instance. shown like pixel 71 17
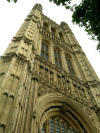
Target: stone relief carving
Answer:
pixel 43 89
pixel 58 82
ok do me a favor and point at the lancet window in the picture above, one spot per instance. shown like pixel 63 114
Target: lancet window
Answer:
pixel 70 65
pixel 57 58
pixel 44 51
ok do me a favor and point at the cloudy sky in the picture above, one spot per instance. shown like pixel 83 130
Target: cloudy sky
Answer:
pixel 12 16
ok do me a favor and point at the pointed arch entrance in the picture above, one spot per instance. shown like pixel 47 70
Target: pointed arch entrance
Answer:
pixel 59 114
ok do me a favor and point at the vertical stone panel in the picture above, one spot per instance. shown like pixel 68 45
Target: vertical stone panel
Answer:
pixel 76 68
pixel 51 53
pixel 63 60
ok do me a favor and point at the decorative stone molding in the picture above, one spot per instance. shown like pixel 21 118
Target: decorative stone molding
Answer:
pixel 35 18
pixel 78 52
pixel 38 7
pixel 8 94
pixel 35 77
pixel 93 83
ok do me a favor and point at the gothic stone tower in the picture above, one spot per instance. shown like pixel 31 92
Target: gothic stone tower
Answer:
pixel 47 85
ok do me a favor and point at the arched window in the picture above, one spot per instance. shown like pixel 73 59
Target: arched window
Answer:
pixel 58 125
pixel 70 66
pixel 44 51
pixel 57 58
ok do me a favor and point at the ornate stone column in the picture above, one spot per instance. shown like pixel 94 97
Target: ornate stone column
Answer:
pixel 51 53
pixel 76 68
pixel 38 50
pixel 90 67
pixel 34 126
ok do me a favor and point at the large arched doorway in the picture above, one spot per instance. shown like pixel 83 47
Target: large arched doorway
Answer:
pixel 58 114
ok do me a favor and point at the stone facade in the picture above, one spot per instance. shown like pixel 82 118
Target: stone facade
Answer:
pixel 47 85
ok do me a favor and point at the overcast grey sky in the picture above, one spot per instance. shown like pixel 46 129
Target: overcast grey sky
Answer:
pixel 12 16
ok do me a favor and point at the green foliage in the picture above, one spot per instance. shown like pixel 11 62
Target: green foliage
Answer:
pixel 86 14
pixel 65 3
pixel 11 0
